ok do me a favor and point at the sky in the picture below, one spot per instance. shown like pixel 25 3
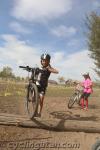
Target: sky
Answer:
pixel 29 28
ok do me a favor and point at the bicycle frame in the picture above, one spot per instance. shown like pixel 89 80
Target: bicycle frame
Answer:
pixel 34 72
pixel 78 94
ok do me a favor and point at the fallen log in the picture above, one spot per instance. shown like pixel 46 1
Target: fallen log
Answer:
pixel 51 124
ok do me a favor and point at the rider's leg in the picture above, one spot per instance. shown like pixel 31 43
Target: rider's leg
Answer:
pixel 86 99
pixel 86 103
pixel 41 103
pixel 42 91
pixel 82 103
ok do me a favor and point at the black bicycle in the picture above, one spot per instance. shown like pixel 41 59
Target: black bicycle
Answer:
pixel 76 97
pixel 32 97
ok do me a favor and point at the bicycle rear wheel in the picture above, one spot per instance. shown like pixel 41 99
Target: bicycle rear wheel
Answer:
pixel 32 100
pixel 72 100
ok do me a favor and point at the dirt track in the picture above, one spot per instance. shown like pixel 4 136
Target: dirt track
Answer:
pixel 54 108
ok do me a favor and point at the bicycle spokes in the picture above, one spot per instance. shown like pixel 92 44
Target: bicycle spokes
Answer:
pixel 32 100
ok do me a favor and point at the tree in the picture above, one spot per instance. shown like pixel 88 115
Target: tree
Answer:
pixel 93 26
pixel 61 79
pixel 7 73
pixel 18 78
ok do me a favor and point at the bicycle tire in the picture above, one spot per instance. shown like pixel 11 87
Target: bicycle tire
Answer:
pixel 72 100
pixel 32 100
pixel 79 99
pixel 96 146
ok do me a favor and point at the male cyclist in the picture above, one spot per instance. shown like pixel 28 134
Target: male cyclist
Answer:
pixel 43 79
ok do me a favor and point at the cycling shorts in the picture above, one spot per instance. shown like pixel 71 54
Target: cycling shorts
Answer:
pixel 42 90
pixel 85 95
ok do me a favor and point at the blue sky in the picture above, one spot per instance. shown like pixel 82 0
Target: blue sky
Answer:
pixel 29 28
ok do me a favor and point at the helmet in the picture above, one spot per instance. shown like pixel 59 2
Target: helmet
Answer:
pixel 46 56
pixel 86 74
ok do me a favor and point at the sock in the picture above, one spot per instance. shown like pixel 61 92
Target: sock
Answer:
pixel 87 103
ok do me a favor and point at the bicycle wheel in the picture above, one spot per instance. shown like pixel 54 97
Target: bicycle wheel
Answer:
pixel 79 99
pixel 32 100
pixel 96 146
pixel 72 100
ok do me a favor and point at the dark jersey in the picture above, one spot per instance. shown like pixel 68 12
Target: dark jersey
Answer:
pixel 44 75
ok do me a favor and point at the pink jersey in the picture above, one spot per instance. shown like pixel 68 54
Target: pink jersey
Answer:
pixel 87 84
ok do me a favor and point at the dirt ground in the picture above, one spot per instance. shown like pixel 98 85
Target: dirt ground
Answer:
pixel 18 138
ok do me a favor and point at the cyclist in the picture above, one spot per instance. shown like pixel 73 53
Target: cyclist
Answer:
pixel 43 79
pixel 87 90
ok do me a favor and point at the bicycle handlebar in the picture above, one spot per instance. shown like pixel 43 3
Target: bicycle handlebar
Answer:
pixel 27 68
pixel 22 67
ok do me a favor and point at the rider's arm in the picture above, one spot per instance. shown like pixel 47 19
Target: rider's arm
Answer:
pixel 52 70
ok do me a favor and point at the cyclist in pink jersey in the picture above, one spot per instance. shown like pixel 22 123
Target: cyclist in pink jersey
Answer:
pixel 87 90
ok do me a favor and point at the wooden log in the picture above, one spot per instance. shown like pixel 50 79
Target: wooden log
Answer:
pixel 52 124
pixel 68 125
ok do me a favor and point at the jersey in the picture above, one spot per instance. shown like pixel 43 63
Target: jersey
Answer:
pixel 87 86
pixel 44 76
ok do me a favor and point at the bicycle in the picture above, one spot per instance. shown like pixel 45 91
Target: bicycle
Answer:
pixel 76 97
pixel 96 146
pixel 32 96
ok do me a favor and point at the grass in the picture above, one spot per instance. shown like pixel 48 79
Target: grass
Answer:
pixel 62 91
pixel 59 91
pixel 18 89
pixel 12 88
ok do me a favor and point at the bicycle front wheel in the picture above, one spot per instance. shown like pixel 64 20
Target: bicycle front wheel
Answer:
pixel 32 100
pixel 79 99
pixel 72 100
